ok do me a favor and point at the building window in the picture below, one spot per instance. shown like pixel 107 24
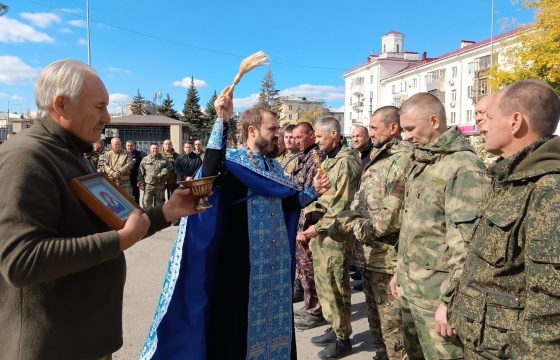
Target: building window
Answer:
pixel 290 107
pixel 482 63
pixel 393 89
pixel 470 67
pixel 469 116
pixel 350 100
pixel 350 115
pixel 469 91
pixel 384 48
pixel 290 116
pixel 307 108
pixel 299 107
pixel 405 86
pixel 453 118
pixel 398 48
pixel 454 72
pixel 371 95
pixel 414 83
pixel 371 79
pixel 453 95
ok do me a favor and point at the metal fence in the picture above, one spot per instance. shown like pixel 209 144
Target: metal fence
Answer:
pixel 4 130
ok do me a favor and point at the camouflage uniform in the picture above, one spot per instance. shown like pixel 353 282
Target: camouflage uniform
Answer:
pixel 154 187
pixel 171 183
pixel 332 254
pixel 303 176
pixel 375 220
pixel 507 305
pixel 120 162
pixel 486 157
pixel 443 192
pixel 95 156
pixel 288 162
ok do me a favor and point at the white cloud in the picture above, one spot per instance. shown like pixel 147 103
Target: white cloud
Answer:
pixel 73 11
pixel 41 20
pixel 116 69
pixel 186 82
pixel 122 99
pixel 77 23
pixel 64 30
pixel 246 102
pixel 14 71
pixel 16 97
pixel 327 93
pixel 82 41
pixel 14 31
pixel 3 95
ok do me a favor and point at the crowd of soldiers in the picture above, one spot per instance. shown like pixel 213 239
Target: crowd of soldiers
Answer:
pixel 457 244
pixel 156 174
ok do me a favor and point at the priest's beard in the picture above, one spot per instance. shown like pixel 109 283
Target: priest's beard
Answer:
pixel 266 147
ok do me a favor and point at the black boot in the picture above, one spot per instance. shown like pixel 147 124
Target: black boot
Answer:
pixel 336 350
pixel 323 340
pixel 297 294
pixel 380 352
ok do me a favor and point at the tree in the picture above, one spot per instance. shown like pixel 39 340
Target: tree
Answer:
pixel 138 106
pixel 191 110
pixel 269 96
pixel 536 51
pixel 166 108
pixel 232 135
pixel 311 116
pixel 210 115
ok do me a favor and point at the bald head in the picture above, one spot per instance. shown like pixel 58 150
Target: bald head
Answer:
pixel 360 137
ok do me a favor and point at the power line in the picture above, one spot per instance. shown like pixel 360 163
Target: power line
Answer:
pixel 175 41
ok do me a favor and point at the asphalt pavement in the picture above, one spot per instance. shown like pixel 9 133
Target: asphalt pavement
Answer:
pixel 147 264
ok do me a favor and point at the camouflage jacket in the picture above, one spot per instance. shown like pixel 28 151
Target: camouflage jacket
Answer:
pixel 507 304
pixel 94 157
pixel 344 171
pixel 120 162
pixel 171 176
pixel 288 162
pixel 444 189
pixel 304 173
pixel 150 167
pixel 375 215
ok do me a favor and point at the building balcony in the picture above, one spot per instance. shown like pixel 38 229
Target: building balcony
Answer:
pixel 357 89
pixel 357 121
pixel 435 85
pixel 358 106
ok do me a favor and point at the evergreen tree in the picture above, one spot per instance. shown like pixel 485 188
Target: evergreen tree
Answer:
pixel 232 135
pixel 138 106
pixel 210 110
pixel 191 110
pixel 269 96
pixel 166 108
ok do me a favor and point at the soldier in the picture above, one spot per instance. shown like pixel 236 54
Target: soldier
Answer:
pixel 480 117
pixel 289 158
pixel 507 304
pixel 152 176
pixel 443 192
pixel 171 155
pixel 332 254
pixel 310 315
pixel 98 151
pixel 137 156
pixel 374 220
pixel 362 142
pixel 118 165
pixel 198 149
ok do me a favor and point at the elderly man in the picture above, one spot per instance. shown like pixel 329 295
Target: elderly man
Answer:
pixel 118 165
pixel 232 297
pixel 332 254
pixel 311 314
pixel 362 142
pixel 63 270
pixel 444 190
pixel 375 221
pixel 480 116
pixel 507 304
pixel 152 176
pixel 198 149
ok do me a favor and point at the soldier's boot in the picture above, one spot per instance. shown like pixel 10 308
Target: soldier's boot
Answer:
pixel 309 321
pixel 300 312
pixel 357 275
pixel 297 294
pixel 380 352
pixel 337 349
pixel 358 287
pixel 323 340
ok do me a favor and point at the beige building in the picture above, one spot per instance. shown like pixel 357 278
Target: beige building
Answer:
pixel 293 108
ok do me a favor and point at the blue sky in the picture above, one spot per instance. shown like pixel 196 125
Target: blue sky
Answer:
pixel 159 45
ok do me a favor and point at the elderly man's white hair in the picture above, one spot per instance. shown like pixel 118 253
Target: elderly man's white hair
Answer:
pixel 62 77
pixel 328 124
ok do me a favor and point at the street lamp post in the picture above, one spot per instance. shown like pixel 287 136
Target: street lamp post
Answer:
pixel 122 108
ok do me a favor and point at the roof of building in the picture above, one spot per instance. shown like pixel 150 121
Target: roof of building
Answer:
pixel 394 32
pixel 146 120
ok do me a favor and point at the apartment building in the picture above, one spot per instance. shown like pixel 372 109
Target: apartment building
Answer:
pixel 293 107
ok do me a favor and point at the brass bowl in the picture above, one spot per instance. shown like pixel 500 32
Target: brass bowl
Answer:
pixel 200 188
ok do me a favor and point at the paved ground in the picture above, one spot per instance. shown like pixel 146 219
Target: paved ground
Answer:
pixel 147 263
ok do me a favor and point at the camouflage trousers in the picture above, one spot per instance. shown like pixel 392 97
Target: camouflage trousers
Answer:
pixel 420 338
pixel 153 196
pixel 125 186
pixel 304 261
pixel 331 264
pixel 384 313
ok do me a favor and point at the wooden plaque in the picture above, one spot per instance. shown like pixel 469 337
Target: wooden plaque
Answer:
pixel 106 199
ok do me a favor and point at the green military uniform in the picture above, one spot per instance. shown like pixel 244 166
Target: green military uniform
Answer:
pixel 120 162
pixel 331 255
pixel 375 220
pixel 486 157
pixel 288 162
pixel 171 182
pixel 445 188
pixel 95 157
pixel 507 304
pixel 154 187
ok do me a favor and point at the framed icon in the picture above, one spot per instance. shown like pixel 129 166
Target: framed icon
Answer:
pixel 107 200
